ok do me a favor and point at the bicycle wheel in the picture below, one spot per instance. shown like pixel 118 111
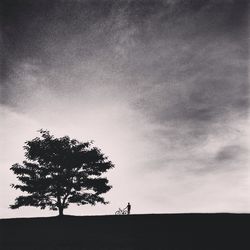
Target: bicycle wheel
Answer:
pixel 118 212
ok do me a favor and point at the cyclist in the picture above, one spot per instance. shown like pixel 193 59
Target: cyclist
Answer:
pixel 128 208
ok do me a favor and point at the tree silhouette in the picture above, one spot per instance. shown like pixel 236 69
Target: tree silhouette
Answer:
pixel 60 171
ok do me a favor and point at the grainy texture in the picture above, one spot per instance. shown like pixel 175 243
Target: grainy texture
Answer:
pixel 173 232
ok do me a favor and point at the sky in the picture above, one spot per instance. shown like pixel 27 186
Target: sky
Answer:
pixel 161 86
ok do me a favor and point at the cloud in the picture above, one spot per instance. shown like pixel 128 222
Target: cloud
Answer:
pixel 178 69
pixel 231 152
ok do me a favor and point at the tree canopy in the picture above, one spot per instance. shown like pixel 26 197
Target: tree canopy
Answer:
pixel 60 171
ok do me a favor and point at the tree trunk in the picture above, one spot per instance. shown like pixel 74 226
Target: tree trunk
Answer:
pixel 60 211
pixel 60 206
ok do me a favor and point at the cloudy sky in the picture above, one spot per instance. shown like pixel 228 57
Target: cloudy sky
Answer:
pixel 161 86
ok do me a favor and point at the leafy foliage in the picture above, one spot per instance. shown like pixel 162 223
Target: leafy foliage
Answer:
pixel 60 171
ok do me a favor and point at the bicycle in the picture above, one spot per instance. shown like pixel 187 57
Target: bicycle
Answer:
pixel 121 211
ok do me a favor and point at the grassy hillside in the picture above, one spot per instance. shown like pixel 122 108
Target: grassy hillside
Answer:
pixel 162 231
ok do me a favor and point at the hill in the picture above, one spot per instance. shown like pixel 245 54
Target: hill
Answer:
pixel 156 231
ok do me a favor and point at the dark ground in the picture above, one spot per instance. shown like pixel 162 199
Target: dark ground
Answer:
pixel 159 231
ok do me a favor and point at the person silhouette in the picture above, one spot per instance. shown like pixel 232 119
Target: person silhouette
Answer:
pixel 128 208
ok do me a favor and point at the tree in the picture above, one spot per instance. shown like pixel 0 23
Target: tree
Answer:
pixel 60 171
